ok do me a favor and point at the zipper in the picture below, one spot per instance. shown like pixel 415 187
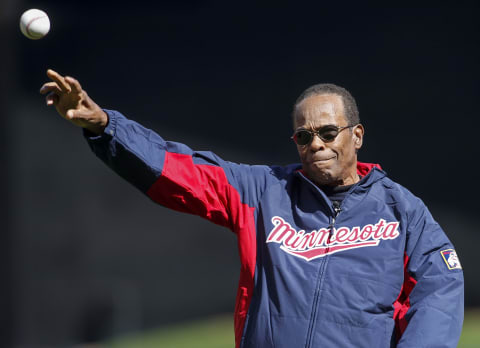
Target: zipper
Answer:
pixel 336 210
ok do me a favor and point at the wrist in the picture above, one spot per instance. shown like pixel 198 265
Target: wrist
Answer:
pixel 99 127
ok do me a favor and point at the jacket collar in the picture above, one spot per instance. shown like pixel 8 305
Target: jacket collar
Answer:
pixel 370 173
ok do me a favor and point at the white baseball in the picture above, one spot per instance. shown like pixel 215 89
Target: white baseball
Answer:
pixel 34 24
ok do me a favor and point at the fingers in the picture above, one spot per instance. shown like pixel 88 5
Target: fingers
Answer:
pixel 74 84
pixel 60 80
pixel 72 102
pixel 70 114
pixel 78 114
pixel 61 84
pixel 51 98
pixel 50 87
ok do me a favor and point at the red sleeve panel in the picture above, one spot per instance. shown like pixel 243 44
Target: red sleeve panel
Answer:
pixel 402 304
pixel 204 190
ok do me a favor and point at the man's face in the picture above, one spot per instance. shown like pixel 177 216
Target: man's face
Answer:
pixel 328 163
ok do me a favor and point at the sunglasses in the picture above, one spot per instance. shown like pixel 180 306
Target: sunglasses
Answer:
pixel 327 134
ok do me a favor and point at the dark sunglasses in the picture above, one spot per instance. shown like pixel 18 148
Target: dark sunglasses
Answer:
pixel 327 134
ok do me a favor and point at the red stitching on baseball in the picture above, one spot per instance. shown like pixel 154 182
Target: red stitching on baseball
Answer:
pixel 27 27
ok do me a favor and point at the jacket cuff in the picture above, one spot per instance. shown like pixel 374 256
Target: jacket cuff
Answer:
pixel 108 132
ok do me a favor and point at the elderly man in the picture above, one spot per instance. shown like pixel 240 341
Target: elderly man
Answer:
pixel 333 253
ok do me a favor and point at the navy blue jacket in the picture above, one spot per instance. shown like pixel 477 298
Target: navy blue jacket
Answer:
pixel 380 272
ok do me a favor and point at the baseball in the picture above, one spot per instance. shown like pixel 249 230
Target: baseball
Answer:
pixel 34 24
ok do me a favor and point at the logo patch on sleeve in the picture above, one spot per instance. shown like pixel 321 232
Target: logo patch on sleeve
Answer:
pixel 451 259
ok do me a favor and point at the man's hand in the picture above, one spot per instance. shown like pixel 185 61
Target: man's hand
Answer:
pixel 73 103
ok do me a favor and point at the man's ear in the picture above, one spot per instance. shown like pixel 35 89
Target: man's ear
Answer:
pixel 358 132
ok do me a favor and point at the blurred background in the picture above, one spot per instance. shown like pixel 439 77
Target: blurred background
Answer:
pixel 86 258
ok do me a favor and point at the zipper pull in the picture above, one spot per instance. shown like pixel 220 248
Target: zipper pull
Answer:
pixel 336 208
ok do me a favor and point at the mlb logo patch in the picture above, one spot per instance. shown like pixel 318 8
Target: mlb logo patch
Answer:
pixel 451 259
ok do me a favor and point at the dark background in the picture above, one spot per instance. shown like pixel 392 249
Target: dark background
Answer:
pixel 84 256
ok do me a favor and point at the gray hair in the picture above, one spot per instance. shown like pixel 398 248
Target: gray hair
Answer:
pixel 349 104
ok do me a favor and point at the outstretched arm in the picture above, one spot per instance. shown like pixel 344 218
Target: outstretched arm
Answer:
pixel 73 103
pixel 169 173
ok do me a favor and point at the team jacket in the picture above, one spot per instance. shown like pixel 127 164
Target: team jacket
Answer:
pixel 377 272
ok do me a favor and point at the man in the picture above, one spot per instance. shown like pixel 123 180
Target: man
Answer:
pixel 333 253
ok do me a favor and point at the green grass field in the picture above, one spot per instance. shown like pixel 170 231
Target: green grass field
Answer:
pixel 217 332
pixel 471 330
